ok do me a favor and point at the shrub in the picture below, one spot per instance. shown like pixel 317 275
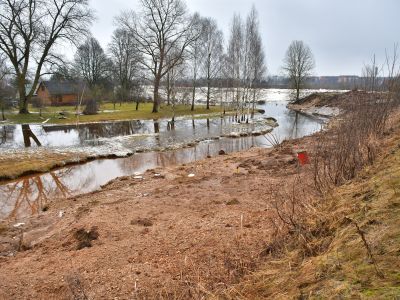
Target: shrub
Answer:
pixel 91 107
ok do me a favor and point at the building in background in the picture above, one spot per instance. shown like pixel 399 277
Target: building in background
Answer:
pixel 58 93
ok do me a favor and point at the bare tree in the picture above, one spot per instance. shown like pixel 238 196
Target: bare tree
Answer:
pixel 162 28
pixel 392 78
pixel 91 62
pixel 176 73
pixel 64 72
pixel 3 67
pixel 212 53
pixel 226 82
pixel 125 60
pixel 255 56
pixel 4 71
pixel 392 65
pixel 29 32
pixel 370 74
pixel 298 65
pixel 194 50
pixel 235 56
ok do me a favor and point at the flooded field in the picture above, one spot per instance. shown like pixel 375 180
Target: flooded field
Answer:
pixel 151 141
pixel 137 136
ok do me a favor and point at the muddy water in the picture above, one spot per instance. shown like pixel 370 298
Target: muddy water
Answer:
pixel 29 195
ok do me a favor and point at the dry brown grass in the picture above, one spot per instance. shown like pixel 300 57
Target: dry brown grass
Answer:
pixel 357 262
pixel 18 164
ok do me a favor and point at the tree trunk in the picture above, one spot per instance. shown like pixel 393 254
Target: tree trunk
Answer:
pixel 137 105
pixel 254 104
pixel 156 126
pixel 208 80
pixel 24 108
pixel 2 113
pixel 168 89
pixel 156 100
pixel 23 100
pixel 193 93
pixel 208 94
pixel 194 84
pixel 27 134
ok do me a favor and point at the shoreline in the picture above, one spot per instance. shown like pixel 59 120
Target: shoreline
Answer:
pixel 16 163
pixel 207 221
pixel 107 114
pixel 205 229
pixel 159 208
pixel 214 114
pixel 80 156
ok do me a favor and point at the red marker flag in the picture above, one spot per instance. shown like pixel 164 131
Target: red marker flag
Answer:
pixel 303 158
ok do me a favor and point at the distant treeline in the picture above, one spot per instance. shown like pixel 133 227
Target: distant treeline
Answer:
pixel 349 82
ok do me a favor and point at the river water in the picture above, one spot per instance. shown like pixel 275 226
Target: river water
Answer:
pixel 30 194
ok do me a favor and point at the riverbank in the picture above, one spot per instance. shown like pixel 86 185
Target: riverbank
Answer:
pixel 351 250
pixel 79 144
pixel 107 112
pixel 325 105
pixel 197 230
pixel 209 229
pixel 15 163
pixel 168 232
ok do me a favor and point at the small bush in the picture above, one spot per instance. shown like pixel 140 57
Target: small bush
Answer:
pixel 91 107
pixel 354 142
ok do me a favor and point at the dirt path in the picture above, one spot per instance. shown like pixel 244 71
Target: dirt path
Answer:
pixel 167 235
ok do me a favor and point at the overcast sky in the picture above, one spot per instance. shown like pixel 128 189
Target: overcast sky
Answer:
pixel 343 34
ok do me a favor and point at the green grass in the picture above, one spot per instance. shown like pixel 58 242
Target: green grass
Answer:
pixel 126 111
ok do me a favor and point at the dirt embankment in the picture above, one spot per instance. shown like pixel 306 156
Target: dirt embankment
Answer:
pixel 325 104
pixel 168 235
pixel 348 243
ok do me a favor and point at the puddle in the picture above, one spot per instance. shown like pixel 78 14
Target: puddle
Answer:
pixel 28 195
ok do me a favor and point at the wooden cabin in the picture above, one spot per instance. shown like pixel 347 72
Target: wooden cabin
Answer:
pixel 58 93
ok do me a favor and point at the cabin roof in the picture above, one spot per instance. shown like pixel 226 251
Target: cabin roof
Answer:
pixel 62 87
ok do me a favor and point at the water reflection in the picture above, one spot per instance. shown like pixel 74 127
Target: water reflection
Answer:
pixel 29 195
pixel 28 135
pixel 20 136
pixel 156 126
pixel 4 132
pixel 140 134
pixel 150 134
pixel 292 124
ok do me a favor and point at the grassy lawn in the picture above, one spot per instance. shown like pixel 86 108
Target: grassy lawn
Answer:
pixel 127 111
pixel 13 166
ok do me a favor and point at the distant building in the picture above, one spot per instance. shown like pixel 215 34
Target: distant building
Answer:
pixel 58 93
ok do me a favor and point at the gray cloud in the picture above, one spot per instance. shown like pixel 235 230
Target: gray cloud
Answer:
pixel 343 34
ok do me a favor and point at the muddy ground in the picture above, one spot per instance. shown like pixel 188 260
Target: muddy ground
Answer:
pixel 168 235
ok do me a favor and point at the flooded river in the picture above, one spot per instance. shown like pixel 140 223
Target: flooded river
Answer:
pixel 29 195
